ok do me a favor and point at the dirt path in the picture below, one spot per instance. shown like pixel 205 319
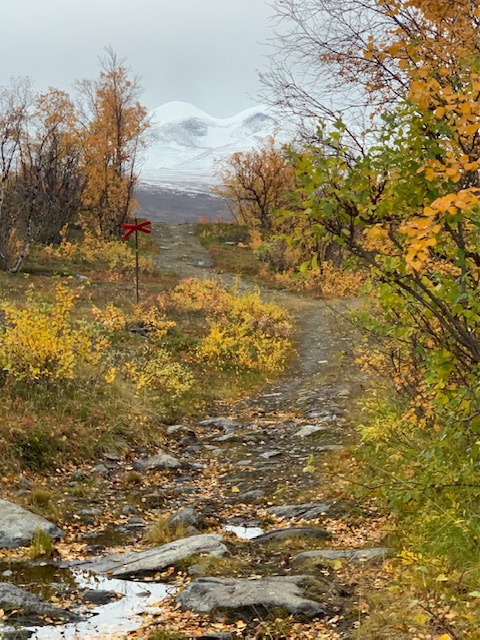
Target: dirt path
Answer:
pixel 251 458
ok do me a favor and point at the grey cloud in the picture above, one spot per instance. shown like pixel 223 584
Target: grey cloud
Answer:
pixel 202 51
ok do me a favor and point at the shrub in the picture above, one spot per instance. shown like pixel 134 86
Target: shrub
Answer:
pixel 43 342
pixel 242 331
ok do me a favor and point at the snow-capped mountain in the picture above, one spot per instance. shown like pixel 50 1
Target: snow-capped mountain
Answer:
pixel 186 142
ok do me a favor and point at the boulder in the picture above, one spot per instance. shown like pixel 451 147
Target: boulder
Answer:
pixel 292 532
pixel 12 598
pixel 137 563
pixel 236 595
pixel 157 463
pixel 18 526
pixel 307 511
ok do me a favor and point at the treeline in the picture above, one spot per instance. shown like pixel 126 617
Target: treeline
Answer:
pixel 63 157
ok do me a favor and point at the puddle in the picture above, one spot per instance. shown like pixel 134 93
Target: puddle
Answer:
pixel 116 617
pixel 102 621
pixel 112 537
pixel 244 533
pixel 44 580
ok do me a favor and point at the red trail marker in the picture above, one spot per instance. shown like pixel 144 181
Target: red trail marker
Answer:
pixel 129 228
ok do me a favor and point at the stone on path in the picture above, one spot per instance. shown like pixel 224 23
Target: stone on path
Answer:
pixel 292 532
pixel 136 563
pixel 204 595
pixel 18 526
pixel 12 598
pixel 350 555
pixel 157 463
pixel 228 426
pixel 187 517
pixel 309 430
pixel 307 511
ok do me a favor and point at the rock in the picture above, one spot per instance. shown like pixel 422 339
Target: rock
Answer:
pixel 186 517
pixel 153 500
pixel 128 510
pixel 10 633
pixel 112 457
pixel 309 430
pixel 235 595
pixel 157 463
pixel 18 526
pixel 93 596
pixel 25 484
pixel 271 454
pixel 79 476
pixel 228 426
pixel 307 511
pixel 350 555
pixel 244 463
pixel 249 497
pixel 13 598
pixel 135 563
pixel 101 469
pixel 292 532
pixel 181 430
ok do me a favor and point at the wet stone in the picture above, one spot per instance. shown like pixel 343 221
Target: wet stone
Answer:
pixel 292 532
pixel 93 596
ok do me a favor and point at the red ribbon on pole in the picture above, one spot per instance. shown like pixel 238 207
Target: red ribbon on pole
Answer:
pixel 131 228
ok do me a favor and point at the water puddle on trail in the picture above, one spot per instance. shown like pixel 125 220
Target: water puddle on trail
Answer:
pixel 121 614
pixel 244 533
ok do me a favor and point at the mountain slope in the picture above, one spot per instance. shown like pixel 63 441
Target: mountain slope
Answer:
pixel 185 142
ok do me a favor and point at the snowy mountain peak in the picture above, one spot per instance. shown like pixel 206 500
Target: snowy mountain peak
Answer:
pixel 186 142
pixel 176 110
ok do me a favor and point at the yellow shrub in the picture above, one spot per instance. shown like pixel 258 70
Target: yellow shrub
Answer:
pixel 42 341
pixel 151 319
pixel 242 330
pixel 113 255
pixel 157 370
pixel 250 334
pixel 194 296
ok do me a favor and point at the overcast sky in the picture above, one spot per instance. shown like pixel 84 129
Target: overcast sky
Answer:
pixel 201 51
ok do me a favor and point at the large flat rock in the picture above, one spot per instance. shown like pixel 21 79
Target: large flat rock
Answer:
pixel 18 526
pixel 238 594
pixel 350 555
pixel 136 563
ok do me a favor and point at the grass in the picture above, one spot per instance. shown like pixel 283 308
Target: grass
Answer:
pixel 162 532
pixel 227 244
pixel 42 545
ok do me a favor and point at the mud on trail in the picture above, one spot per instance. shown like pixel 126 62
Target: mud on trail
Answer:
pixel 261 465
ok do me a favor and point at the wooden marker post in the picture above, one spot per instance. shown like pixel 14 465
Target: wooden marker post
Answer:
pixel 144 227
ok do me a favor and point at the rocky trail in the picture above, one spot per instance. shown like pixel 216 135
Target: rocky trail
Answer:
pixel 244 487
